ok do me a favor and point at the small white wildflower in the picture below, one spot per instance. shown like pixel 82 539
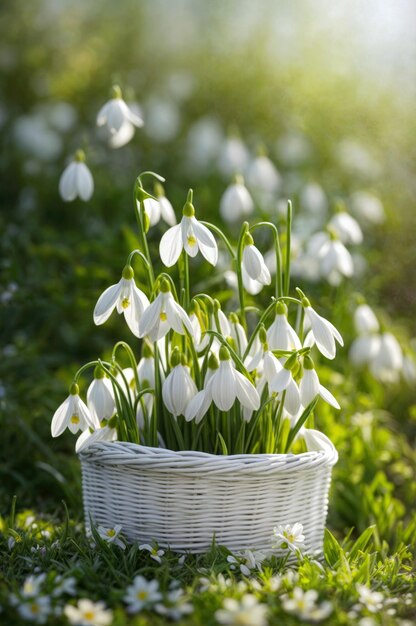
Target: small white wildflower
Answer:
pixel 142 594
pixel 35 609
pixel 289 537
pixel 372 600
pixel 176 605
pixel 112 535
pixel 88 613
pixel 115 113
pixel 76 180
pixel 245 612
pixel 304 605
pixel 155 553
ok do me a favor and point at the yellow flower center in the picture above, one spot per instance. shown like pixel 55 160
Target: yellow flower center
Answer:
pixel 191 241
pixel 89 615
pixel 142 595
pixel 125 303
pixel 111 532
pixel 290 537
pixel 34 608
pixel 74 419
pixel 163 317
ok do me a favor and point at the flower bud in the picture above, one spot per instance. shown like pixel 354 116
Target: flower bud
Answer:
pixel 224 353
pixel 128 272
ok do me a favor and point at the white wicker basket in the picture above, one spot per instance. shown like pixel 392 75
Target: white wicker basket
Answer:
pixel 184 499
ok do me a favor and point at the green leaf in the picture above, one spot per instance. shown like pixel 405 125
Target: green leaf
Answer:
pixel 362 542
pixel 332 550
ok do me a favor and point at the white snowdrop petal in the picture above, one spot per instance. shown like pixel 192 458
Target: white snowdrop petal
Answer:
pixel 167 212
pixel 171 246
pixel 61 415
pixel 115 115
pixel 177 317
pixel 106 303
pixel 328 397
pixel 152 210
pixel 252 261
pixel 309 386
pixel 253 287
pixel 292 401
pixel 195 405
pixel 281 381
pixel 68 183
pixel 246 392
pixel 223 387
pixel 85 182
pixel 102 114
pixel 151 316
pixel 123 136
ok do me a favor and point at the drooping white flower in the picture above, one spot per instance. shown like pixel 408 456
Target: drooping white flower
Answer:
pixel 100 397
pixel 178 388
pixel 155 553
pixel 346 227
pixel 289 537
pixel 227 385
pixel 313 200
pixel 367 207
pixel 72 414
pixel 247 611
pixel 262 175
pixel 323 333
pixel 310 386
pixel 304 605
pixel 88 613
pixel 236 202
pixel 36 610
pixel 233 157
pixel 164 314
pixel 387 363
pixel 112 535
pixel 142 594
pixel 334 259
pixel 115 113
pixel 280 335
pixel 159 208
pixel 254 270
pixel 76 180
pixel 238 333
pixel 87 438
pixel 190 235
pixel 284 382
pixel 124 296
pixel 201 402
pixel 363 349
pixel 365 321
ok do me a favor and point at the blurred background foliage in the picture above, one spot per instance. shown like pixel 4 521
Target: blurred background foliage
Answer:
pixel 327 90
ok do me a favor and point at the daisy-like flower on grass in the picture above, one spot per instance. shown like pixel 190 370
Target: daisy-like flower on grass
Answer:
pixel 280 335
pixel 245 612
pixel 159 207
pixel 124 296
pixel 190 235
pixel 236 202
pixel 88 613
pixel 179 387
pixel 100 397
pixel 76 180
pixel 372 600
pixel 304 605
pixel 115 113
pixel 112 535
pixel 164 314
pixel 247 561
pixel 72 414
pixel 32 586
pixel 288 537
pixel 142 594
pixel 176 604
pixel 155 553
pixel 322 332
pixel 35 609
pixel 254 270
pixel 310 387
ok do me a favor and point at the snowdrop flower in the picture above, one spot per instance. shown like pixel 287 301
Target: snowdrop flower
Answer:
pixel 190 235
pixel 178 388
pixel 372 600
pixel 146 367
pixel 289 537
pixel 365 321
pixel 363 349
pixel 246 611
pixel 112 535
pixel 234 157
pixel 162 119
pixel 388 361
pixel 238 333
pixel 346 227
pixel 313 200
pixel 293 148
pixel 73 414
pixel 87 438
pixel 227 384
pixel 303 605
pixel 76 180
pixel 164 314
pixel 126 298
pixel 262 176
pixel 36 609
pixel 88 613
pixel 100 397
pixel 280 335
pixel 159 208
pixel 367 207
pixel 335 260
pixel 255 271
pixel 142 594
pixel 284 381
pixel 310 386
pixel 204 142
pixel 322 333
pixel 176 605
pixel 116 112
pixel 201 402
pixel 236 202
pixel 155 553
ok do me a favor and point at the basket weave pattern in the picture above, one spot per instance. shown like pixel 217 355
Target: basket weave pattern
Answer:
pixel 184 499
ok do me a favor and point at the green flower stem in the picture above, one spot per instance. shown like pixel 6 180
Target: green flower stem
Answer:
pixel 278 277
pixel 126 411
pixel 133 362
pixel 238 268
pixel 195 362
pixel 144 242
pixel 286 287
pixel 84 368
pixel 259 323
pixel 187 289
pixel 146 264
pixel 158 396
pixel 233 354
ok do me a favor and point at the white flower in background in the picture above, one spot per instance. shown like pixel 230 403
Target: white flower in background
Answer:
pixel 64 586
pixel 246 612
pixel 163 119
pixel 159 208
pixel 293 148
pixel 176 605
pixel 234 157
pixel 155 553
pixel 126 133
pixel 289 537
pixel 409 369
pixel 314 201
pixel 346 227
pixel 356 159
pixel 100 397
pixel 201 339
pixel 76 180
pixel 126 298
pixel 116 112
pixel 365 321
pixel 280 335
pixel 238 333
pixel 304 605
pixel 35 609
pixel 32 586
pixel 190 235
pixel 164 314
pixel 142 594
pixel 204 141
pixel 262 176
pixel 87 438
pixel 322 332
pixel 112 535
pixel 363 349
pixel 367 207
pixel 35 137
pixel 247 561
pixel 88 613
pixel 284 381
pixel 254 270
pixel 387 363
pixel 236 202
pixel 73 414
pixel 146 367
pixel 334 259
pixel 310 386
pixel 178 388
pixel 372 600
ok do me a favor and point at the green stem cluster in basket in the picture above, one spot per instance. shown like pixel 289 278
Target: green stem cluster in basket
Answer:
pixel 242 383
